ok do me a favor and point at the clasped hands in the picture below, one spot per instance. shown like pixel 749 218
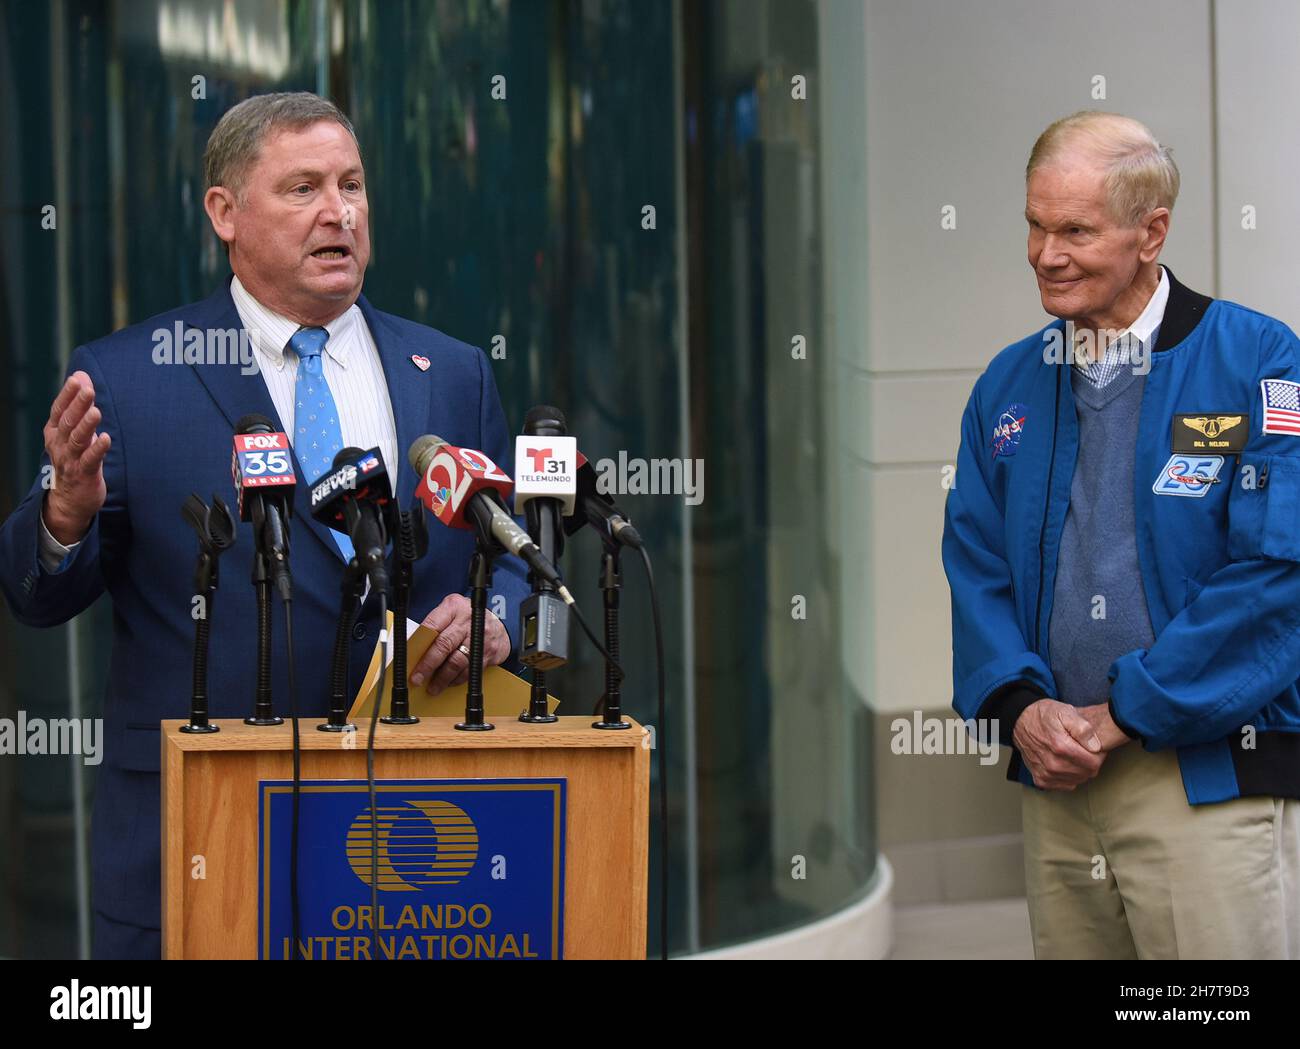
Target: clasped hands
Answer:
pixel 1064 746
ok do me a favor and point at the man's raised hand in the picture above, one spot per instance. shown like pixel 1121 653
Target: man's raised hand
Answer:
pixel 77 453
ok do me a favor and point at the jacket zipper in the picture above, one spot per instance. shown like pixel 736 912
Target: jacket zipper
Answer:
pixel 1047 505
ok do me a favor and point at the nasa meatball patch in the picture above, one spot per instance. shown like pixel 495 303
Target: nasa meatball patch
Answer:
pixel 1008 430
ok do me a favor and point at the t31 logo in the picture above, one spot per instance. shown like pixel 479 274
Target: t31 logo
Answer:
pixel 546 467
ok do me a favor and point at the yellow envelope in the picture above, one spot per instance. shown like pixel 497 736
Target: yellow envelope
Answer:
pixel 505 695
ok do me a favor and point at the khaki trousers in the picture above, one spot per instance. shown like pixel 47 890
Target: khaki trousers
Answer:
pixel 1124 867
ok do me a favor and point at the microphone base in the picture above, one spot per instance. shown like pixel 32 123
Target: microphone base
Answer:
pixel 193 727
pixel 400 719
pixel 474 726
pixel 611 724
pixel 274 719
pixel 538 719
pixel 345 727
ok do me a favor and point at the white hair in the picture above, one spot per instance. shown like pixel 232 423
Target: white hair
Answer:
pixel 1140 173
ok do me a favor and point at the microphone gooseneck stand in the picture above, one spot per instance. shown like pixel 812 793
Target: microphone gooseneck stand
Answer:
pixel 539 711
pixel 411 542
pixel 263 708
pixel 270 569
pixel 215 527
pixel 551 543
pixel 480 578
pixel 352 587
pixel 611 582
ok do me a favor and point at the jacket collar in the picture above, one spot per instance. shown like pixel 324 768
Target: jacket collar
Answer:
pixel 1183 312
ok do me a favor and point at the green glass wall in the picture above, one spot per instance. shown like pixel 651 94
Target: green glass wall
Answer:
pixel 785 800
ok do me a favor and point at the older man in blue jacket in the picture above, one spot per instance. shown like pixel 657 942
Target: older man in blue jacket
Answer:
pixel 1123 549
pixel 147 415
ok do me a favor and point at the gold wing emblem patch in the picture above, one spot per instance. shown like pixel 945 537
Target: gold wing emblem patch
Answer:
pixel 1212 427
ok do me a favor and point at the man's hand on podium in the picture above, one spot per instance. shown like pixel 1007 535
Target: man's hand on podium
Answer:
pixel 446 663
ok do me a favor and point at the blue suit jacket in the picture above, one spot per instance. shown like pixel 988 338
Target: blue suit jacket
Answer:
pixel 171 428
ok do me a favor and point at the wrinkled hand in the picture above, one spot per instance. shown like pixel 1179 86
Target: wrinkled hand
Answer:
pixel 1059 743
pixel 1109 733
pixel 445 664
pixel 77 453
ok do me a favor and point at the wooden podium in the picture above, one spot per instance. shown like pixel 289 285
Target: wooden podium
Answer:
pixel 210 817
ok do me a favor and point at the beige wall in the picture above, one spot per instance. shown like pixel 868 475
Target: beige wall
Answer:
pixel 954 96
pixel 1258 156
pixel 930 103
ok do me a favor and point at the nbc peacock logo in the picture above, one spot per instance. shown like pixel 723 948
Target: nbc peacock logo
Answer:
pixel 421 844
pixel 441 495
pixel 474 461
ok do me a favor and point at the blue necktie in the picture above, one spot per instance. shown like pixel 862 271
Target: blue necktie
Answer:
pixel 318 437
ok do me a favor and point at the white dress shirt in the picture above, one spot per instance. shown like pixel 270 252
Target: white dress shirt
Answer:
pixel 1142 333
pixel 350 363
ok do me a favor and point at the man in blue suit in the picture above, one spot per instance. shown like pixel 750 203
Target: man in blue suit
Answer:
pixel 146 416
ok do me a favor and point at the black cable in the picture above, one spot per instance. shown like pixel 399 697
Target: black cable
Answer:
pixel 297 783
pixel 592 638
pixel 663 770
pixel 385 641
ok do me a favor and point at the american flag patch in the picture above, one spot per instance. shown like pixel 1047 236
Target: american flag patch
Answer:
pixel 1281 406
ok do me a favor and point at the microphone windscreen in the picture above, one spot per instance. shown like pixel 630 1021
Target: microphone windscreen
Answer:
pixel 422 452
pixel 545 420
pixel 255 422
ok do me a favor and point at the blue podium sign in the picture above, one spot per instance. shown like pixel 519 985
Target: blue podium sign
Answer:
pixel 467 869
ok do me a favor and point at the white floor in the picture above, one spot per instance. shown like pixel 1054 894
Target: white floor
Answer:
pixel 982 929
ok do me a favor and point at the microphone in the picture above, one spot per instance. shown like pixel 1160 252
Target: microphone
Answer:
pixel 545 488
pixel 545 461
pixel 463 488
pixel 262 471
pixel 593 507
pixel 354 498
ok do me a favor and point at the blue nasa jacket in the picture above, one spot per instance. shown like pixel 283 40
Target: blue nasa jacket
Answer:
pixel 1217 516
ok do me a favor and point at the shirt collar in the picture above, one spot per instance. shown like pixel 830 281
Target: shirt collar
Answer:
pixel 1148 321
pixel 1142 331
pixel 270 331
